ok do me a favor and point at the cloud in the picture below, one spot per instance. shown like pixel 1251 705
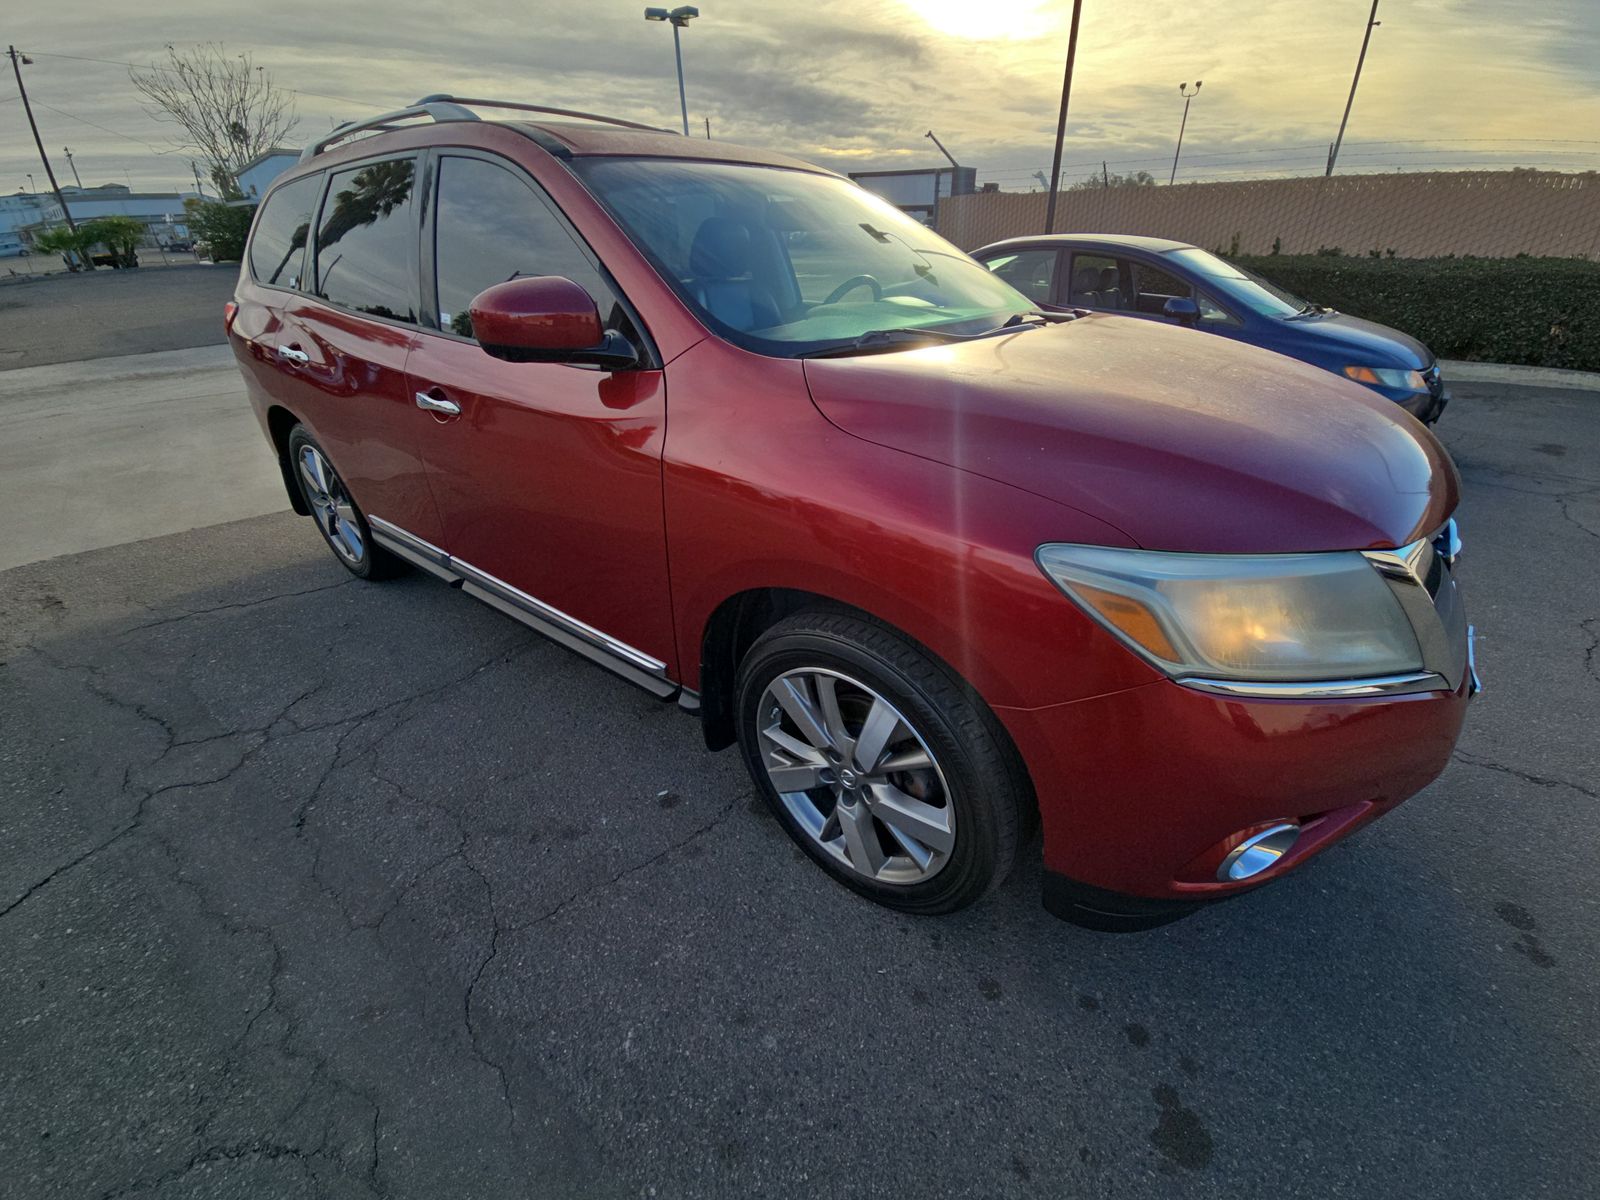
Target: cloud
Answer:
pixel 857 83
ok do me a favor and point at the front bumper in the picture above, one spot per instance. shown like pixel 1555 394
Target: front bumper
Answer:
pixel 1142 793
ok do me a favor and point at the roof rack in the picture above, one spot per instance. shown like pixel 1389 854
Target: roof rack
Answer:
pixel 441 108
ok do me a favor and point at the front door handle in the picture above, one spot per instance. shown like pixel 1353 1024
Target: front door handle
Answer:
pixel 438 404
pixel 290 354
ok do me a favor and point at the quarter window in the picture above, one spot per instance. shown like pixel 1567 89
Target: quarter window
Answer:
pixel 367 243
pixel 491 227
pixel 278 246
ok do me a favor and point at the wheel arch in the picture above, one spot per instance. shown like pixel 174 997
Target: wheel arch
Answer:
pixel 736 623
pixel 280 423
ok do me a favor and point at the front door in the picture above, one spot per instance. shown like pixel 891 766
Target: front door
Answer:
pixel 548 478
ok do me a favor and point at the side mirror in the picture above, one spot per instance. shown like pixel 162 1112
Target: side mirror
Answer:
pixel 1182 310
pixel 546 318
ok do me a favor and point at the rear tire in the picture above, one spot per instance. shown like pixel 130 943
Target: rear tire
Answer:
pixel 334 511
pixel 880 763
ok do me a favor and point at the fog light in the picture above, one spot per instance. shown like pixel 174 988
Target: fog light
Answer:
pixel 1257 852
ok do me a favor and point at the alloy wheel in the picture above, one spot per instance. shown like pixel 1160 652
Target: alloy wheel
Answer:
pixel 331 506
pixel 856 776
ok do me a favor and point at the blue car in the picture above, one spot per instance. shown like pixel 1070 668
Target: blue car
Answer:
pixel 1160 280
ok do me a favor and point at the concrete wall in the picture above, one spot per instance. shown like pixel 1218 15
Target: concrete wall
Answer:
pixel 1490 213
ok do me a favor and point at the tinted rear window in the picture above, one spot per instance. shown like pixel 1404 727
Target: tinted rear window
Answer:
pixel 278 247
pixel 367 243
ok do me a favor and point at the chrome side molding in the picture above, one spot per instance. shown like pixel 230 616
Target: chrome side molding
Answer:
pixel 615 655
pixel 1322 689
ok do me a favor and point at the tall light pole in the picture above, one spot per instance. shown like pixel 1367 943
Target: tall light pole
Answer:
pixel 1061 120
pixel 679 17
pixel 18 61
pixel 67 150
pixel 1183 90
pixel 1333 150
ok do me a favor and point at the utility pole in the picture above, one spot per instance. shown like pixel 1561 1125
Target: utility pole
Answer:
pixel 18 61
pixel 1333 151
pixel 197 186
pixel 1183 90
pixel 708 129
pixel 1105 175
pixel 1061 121
pixel 67 150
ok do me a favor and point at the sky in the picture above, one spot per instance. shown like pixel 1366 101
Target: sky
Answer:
pixel 855 84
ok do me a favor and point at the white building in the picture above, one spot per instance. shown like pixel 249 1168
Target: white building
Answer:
pixel 256 176
pixel 161 212
pixel 17 210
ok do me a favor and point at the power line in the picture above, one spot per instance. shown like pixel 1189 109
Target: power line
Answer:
pixel 117 62
pixel 127 137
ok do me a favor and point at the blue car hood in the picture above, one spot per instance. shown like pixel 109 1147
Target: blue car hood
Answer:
pixel 1366 342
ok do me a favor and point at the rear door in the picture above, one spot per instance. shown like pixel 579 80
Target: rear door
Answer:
pixel 346 336
pixel 548 477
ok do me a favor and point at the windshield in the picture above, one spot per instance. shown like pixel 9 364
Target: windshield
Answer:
pixel 788 262
pixel 1244 287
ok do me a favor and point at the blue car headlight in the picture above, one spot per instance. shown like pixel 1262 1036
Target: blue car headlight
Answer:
pixel 1389 377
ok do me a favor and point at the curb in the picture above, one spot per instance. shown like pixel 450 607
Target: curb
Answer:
pixel 1459 371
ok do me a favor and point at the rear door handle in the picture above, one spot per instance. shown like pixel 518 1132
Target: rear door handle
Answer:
pixel 290 354
pixel 438 404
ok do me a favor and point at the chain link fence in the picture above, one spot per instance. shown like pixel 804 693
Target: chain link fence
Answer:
pixel 1493 214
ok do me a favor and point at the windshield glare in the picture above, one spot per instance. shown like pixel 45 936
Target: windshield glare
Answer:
pixel 1245 287
pixel 785 262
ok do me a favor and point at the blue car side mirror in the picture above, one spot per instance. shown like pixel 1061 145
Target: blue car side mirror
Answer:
pixel 1182 310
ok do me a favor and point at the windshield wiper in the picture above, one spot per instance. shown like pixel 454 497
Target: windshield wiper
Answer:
pixel 885 339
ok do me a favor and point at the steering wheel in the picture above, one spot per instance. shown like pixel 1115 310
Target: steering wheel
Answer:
pixel 853 282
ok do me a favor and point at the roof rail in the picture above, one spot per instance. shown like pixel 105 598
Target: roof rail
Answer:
pixel 443 108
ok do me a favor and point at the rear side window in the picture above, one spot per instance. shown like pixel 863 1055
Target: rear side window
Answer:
pixel 367 243
pixel 278 246
pixel 1031 272
pixel 491 227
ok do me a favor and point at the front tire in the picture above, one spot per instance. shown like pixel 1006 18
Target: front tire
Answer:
pixel 881 765
pixel 334 511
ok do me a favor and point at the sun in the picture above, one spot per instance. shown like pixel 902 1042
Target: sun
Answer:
pixel 987 20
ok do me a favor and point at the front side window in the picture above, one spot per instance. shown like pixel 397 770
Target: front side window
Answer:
pixel 789 262
pixel 492 226
pixel 367 243
pixel 1100 281
pixel 278 245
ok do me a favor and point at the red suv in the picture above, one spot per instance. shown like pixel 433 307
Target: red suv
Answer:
pixel 946 568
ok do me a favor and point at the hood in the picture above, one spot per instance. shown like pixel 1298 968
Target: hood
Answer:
pixel 1182 440
pixel 1367 343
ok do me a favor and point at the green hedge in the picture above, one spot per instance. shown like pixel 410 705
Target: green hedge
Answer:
pixel 1539 311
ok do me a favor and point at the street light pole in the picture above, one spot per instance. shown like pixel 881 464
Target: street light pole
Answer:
pixel 1183 90
pixel 17 62
pixel 678 17
pixel 1333 151
pixel 1061 120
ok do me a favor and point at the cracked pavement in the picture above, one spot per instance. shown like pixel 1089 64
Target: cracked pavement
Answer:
pixel 310 887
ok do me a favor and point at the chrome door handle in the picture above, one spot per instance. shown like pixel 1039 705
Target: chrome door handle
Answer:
pixel 299 357
pixel 434 404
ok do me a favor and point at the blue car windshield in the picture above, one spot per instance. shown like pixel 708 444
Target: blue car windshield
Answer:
pixel 787 262
pixel 1243 287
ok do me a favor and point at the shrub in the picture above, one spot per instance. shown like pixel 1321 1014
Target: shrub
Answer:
pixel 120 235
pixel 223 228
pixel 66 242
pixel 1536 311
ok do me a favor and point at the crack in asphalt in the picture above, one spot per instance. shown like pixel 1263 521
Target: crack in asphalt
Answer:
pixel 1544 781
pixel 234 606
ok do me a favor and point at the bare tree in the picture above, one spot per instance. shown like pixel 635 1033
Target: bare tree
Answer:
pixel 227 107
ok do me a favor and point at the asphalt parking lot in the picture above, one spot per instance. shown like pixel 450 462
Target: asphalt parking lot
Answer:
pixel 311 887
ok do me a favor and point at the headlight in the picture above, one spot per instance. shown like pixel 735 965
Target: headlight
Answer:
pixel 1389 377
pixel 1264 618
